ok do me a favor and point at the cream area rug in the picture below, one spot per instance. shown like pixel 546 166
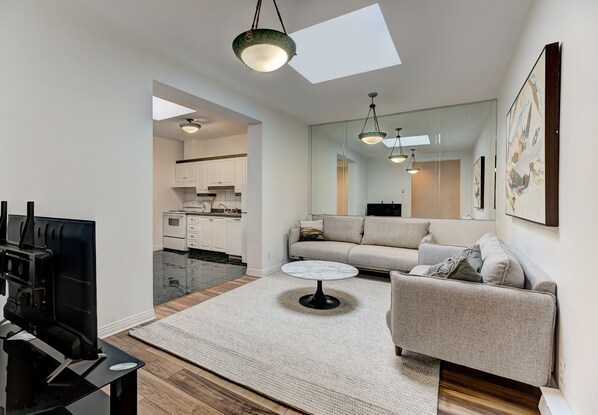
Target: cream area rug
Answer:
pixel 323 362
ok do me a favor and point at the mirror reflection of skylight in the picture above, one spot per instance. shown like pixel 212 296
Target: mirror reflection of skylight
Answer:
pixel 163 109
pixel 354 43
pixel 416 140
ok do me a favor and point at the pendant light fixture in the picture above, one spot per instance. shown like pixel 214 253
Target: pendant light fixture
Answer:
pixel 372 137
pixel 400 157
pixel 264 50
pixel 412 167
pixel 190 126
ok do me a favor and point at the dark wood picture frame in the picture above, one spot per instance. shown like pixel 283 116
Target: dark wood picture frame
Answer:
pixel 552 73
pixel 480 164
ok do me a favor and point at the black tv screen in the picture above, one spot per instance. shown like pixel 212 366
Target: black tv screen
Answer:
pixel 63 310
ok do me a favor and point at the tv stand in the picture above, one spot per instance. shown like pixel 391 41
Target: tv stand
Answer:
pixel 26 367
pixel 68 362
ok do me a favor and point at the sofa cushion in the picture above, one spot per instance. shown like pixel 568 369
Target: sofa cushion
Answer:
pixel 311 230
pixel 383 257
pixel 322 250
pixel 463 266
pixel 500 266
pixel 393 232
pixel 420 270
pixel 343 228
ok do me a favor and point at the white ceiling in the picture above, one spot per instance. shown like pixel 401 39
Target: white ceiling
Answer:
pixel 453 51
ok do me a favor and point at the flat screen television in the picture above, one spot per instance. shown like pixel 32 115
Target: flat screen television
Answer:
pixel 49 266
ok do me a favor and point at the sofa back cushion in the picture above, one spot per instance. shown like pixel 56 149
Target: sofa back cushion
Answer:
pixel 342 228
pixel 393 232
pixel 499 266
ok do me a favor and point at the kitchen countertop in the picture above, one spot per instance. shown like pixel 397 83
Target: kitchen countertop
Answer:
pixel 225 215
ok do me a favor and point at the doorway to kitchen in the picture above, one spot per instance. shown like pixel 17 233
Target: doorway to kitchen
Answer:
pixel 200 193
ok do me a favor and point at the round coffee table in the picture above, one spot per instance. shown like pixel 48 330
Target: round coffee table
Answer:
pixel 319 271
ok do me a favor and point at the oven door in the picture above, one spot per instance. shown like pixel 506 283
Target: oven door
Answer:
pixel 175 225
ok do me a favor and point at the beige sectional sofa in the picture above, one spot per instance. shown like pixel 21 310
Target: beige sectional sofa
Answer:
pixel 370 243
pixel 503 326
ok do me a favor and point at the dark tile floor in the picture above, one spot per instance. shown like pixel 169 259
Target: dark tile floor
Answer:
pixel 177 274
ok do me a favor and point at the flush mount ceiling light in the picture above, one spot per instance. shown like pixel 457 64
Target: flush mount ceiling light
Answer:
pixel 190 126
pixel 412 167
pixel 264 50
pixel 400 157
pixel 372 137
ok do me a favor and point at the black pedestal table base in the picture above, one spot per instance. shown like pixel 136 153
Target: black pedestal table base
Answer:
pixel 319 300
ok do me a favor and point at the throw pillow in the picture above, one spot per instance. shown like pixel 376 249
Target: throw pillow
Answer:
pixel 464 266
pixel 311 230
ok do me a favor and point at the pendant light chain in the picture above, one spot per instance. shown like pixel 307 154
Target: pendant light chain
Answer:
pixel 366 119
pixel 258 11
pixel 279 17
pixel 256 16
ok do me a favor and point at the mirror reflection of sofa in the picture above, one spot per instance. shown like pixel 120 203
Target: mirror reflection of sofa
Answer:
pixel 368 243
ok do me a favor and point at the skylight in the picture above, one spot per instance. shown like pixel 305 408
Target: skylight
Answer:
pixel 351 44
pixel 415 140
pixel 163 109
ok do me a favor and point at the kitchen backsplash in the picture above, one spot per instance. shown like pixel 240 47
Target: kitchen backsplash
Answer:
pixel 224 196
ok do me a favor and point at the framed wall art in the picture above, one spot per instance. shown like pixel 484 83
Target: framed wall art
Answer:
pixel 478 183
pixel 532 171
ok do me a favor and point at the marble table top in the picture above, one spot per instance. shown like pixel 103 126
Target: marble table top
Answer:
pixel 319 270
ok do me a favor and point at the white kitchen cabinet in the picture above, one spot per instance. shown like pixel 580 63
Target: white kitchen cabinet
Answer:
pixel 234 237
pixel 185 174
pixel 219 234
pixel 202 177
pixel 221 172
pixel 211 233
pixel 240 173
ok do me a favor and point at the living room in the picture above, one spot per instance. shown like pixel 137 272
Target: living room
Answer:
pixel 87 69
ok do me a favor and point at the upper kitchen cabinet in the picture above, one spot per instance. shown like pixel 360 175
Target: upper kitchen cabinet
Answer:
pixel 221 172
pixel 202 177
pixel 185 174
pixel 240 173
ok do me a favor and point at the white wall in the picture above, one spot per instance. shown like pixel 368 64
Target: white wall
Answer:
pixel 166 153
pixel 568 253
pixel 214 147
pixel 77 72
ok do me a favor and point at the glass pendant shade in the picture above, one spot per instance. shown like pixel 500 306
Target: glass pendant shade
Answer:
pixel 400 156
pixel 190 126
pixel 412 167
pixel 264 50
pixel 372 137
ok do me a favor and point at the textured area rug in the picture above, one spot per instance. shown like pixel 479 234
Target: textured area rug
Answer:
pixel 324 362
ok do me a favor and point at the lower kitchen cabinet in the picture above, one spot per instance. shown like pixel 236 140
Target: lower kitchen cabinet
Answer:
pixel 234 235
pixel 212 234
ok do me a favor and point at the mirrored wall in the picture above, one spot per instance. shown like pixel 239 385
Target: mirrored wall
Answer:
pixel 454 150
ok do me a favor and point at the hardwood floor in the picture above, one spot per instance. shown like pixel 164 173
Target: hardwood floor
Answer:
pixel 169 385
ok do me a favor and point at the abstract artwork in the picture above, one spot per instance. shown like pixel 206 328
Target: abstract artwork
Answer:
pixel 533 143
pixel 478 183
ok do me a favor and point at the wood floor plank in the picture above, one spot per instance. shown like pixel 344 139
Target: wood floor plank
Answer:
pixel 171 386
pixel 222 399
pixel 165 395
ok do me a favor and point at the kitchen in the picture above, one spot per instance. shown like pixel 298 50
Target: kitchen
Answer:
pixel 200 188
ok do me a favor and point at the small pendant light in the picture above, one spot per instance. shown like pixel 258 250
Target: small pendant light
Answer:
pixel 264 50
pixel 400 157
pixel 190 126
pixel 372 137
pixel 412 167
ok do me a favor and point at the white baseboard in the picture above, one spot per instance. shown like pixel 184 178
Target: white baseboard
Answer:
pixel 126 323
pixel 553 402
pixel 158 247
pixel 254 272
